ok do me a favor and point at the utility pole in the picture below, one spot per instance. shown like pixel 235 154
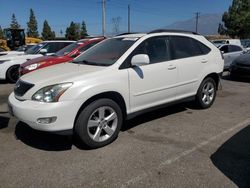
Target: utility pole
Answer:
pixel 103 17
pixel 197 21
pixel 129 18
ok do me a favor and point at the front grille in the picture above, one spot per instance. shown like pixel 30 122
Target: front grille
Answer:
pixel 22 87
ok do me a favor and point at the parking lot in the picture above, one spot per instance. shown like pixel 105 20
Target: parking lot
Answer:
pixel 178 146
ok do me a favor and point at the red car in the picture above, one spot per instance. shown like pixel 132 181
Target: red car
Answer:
pixel 64 55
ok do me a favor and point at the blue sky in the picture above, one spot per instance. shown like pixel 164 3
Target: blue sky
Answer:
pixel 145 14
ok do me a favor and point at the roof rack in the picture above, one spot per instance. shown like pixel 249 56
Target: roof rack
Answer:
pixel 172 31
pixel 125 34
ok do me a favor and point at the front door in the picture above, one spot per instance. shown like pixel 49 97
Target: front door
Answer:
pixel 153 84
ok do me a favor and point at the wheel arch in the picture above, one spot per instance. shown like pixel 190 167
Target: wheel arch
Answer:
pixel 9 67
pixel 113 95
pixel 215 77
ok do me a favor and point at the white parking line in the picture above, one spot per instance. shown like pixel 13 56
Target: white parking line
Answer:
pixel 185 153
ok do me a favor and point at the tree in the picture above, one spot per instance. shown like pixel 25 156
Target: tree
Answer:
pixel 84 32
pixel 14 24
pixel 116 24
pixel 1 33
pixel 73 31
pixel 237 19
pixel 221 29
pixel 32 26
pixel 47 33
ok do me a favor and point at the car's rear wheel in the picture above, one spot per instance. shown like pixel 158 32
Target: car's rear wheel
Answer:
pixel 12 74
pixel 206 93
pixel 99 123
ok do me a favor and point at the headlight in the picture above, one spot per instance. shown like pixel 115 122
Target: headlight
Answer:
pixel 51 93
pixel 3 61
pixel 33 66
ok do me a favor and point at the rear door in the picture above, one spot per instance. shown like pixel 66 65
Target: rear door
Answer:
pixel 191 58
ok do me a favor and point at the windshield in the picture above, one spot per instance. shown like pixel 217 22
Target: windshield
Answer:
pixel 34 49
pixel 107 52
pixel 68 49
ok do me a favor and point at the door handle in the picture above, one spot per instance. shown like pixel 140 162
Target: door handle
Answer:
pixel 204 61
pixel 171 67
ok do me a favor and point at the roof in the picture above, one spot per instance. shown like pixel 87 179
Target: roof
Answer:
pixel 133 35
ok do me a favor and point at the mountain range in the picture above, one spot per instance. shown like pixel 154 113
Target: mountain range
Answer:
pixel 207 25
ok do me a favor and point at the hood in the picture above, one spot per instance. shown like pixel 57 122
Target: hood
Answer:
pixel 20 56
pixel 66 72
pixel 243 59
pixel 39 59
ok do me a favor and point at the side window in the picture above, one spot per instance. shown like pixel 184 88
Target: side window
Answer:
pixel 84 48
pixel 204 49
pixel 156 48
pixel 233 48
pixel 184 47
pixel 224 49
pixel 51 47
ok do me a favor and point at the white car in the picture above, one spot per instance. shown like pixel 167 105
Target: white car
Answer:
pixel 19 51
pixel 9 64
pixel 230 53
pixel 115 80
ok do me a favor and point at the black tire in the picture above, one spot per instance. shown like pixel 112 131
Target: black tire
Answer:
pixel 12 74
pixel 205 99
pixel 84 133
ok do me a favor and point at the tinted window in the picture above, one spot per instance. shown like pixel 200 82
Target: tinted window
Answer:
pixel 224 49
pixel 106 53
pixel 156 48
pixel 204 49
pixel 84 48
pixel 183 47
pixel 233 48
pixel 36 48
pixel 53 47
pixel 67 49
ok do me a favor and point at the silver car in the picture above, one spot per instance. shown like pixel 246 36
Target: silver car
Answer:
pixel 230 53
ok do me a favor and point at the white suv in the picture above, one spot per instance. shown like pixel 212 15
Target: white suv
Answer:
pixel 116 80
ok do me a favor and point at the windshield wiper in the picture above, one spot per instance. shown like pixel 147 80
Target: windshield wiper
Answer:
pixel 89 63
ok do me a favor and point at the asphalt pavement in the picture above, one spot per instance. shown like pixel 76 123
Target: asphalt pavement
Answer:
pixel 178 146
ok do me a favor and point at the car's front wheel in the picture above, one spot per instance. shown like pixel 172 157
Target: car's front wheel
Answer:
pixel 206 93
pixel 99 123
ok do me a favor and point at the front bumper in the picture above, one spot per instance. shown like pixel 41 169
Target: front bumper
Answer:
pixel 30 111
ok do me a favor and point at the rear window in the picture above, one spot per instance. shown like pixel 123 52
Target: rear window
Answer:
pixel 184 47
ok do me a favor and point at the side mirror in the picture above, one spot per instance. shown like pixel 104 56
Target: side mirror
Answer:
pixel 43 51
pixel 139 60
pixel 222 52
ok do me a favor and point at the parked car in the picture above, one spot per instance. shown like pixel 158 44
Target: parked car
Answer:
pixel 240 66
pixel 19 51
pixel 9 65
pixel 220 42
pixel 230 53
pixel 118 79
pixel 64 55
